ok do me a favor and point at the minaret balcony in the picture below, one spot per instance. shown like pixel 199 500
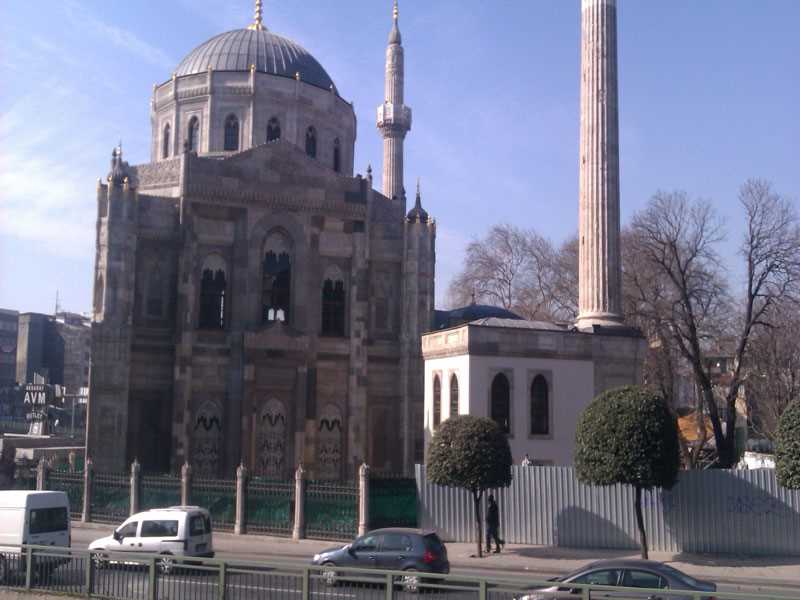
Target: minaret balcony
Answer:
pixel 394 116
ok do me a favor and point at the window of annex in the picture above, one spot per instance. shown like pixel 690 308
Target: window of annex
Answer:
pixel 311 142
pixel 333 303
pixel 273 130
pixel 193 134
pixel 213 288
pixel 437 401
pixel 540 406
pixel 337 156
pixel 500 408
pixel 453 395
pixel 165 141
pixel 276 278
pixel 231 133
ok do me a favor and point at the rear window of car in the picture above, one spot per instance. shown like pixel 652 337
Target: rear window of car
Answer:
pixel 197 525
pixel 159 528
pixel 433 543
pixel 48 520
pixel 681 576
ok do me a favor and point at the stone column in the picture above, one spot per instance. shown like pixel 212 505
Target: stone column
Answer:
pixel 240 526
pixel 363 499
pixel 41 475
pixel 600 293
pixel 136 470
pixel 88 468
pixel 298 532
pixel 186 483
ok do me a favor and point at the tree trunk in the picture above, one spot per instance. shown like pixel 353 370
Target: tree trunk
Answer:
pixel 640 522
pixel 476 497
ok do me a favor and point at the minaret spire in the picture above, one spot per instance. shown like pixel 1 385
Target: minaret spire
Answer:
pixel 394 117
pixel 258 23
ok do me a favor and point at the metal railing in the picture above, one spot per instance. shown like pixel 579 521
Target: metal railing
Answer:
pixel 331 510
pixel 111 502
pixel 219 497
pixel 270 507
pixel 134 576
pixel 72 485
pixel 159 490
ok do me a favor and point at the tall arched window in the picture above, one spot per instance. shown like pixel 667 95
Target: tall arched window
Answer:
pixel 273 130
pixel 311 142
pixel 453 396
pixel 193 134
pixel 501 402
pixel 337 156
pixel 165 142
pixel 212 294
pixel 437 401
pixel 231 133
pixel 333 301
pixel 276 279
pixel 540 407
pixel 154 302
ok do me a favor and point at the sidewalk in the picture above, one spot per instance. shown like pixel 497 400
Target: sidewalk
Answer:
pixel 536 561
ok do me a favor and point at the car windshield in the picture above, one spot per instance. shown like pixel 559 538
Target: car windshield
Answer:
pixel 681 576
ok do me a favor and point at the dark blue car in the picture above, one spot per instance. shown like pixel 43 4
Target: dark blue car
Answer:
pixel 412 551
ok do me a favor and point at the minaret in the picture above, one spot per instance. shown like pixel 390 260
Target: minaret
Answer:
pixel 394 117
pixel 599 298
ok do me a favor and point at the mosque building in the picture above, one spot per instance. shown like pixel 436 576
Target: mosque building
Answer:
pixel 255 301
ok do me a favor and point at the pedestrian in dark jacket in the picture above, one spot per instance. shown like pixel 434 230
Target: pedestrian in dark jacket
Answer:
pixel 493 526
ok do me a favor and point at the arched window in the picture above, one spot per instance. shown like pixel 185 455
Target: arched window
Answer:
pixel 501 402
pixel 540 407
pixel 337 156
pixel 231 133
pixel 437 401
pixel 333 301
pixel 453 396
pixel 165 142
pixel 311 142
pixel 193 134
pixel 273 130
pixel 154 304
pixel 212 294
pixel 276 279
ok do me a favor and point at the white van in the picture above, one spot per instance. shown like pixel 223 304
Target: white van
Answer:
pixel 32 518
pixel 178 531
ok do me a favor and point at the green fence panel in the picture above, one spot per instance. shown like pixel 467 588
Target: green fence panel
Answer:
pixel 331 510
pixel 219 497
pixel 270 507
pixel 111 497
pixel 72 485
pixel 159 491
pixel 392 502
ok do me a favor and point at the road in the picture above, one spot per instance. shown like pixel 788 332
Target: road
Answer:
pixel 245 585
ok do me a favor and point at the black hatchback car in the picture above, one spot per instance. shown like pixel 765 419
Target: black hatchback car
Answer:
pixel 413 551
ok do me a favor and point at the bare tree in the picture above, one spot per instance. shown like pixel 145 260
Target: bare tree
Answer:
pixel 678 238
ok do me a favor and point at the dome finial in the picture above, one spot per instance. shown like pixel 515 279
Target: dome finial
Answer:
pixel 395 11
pixel 258 24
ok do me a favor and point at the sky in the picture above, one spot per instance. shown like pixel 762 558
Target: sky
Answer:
pixel 708 98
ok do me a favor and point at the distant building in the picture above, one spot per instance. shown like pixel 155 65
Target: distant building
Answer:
pixel 8 347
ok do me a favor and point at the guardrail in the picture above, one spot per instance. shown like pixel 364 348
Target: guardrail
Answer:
pixel 134 576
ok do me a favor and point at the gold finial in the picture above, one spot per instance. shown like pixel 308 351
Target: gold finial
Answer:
pixel 252 68
pixel 395 11
pixel 297 75
pixel 258 24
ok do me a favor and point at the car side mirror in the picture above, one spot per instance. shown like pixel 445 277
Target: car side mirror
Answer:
pixel 351 550
pixel 117 536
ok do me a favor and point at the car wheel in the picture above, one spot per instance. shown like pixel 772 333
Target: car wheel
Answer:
pixel 410 581
pixel 165 563
pixel 329 575
pixel 99 560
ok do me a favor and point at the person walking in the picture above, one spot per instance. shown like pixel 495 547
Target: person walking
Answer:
pixel 527 462
pixel 493 526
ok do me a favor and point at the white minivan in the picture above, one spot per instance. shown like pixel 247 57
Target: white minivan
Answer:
pixel 178 531
pixel 35 519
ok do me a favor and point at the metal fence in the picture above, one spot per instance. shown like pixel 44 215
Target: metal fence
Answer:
pixel 331 510
pixel 133 576
pixel 715 511
pixel 110 497
pixel 392 502
pixel 159 490
pixel 270 507
pixel 219 497
pixel 72 485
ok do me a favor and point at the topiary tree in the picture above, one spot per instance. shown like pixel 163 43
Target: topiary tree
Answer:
pixel 787 448
pixel 628 435
pixel 471 453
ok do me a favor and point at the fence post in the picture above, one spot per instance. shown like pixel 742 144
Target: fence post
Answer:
pixel 71 460
pixel 41 475
pixel 89 575
pixel 152 580
pixel 136 470
pixel 186 483
pixel 223 567
pixel 88 476
pixel 240 526
pixel 298 533
pixel 28 567
pixel 363 499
